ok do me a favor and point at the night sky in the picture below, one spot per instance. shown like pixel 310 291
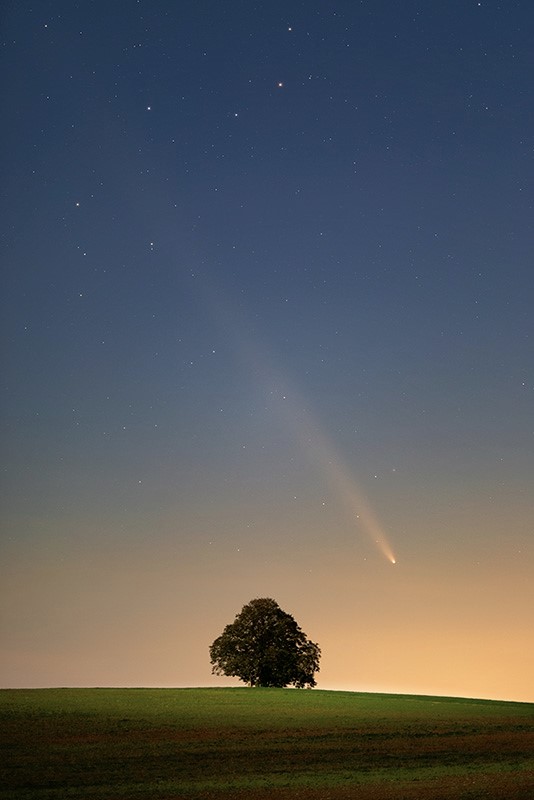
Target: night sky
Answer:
pixel 268 283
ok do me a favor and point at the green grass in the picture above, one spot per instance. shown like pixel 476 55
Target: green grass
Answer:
pixel 166 744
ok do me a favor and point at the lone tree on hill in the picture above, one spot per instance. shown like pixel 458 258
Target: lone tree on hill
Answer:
pixel 264 646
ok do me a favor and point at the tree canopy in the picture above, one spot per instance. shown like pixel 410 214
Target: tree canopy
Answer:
pixel 264 646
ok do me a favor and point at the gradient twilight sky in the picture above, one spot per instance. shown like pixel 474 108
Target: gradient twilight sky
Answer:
pixel 268 283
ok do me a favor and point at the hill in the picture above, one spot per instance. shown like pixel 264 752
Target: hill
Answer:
pixel 166 744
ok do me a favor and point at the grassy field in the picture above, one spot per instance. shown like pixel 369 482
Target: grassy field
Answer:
pixel 255 744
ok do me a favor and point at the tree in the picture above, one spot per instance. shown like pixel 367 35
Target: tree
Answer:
pixel 264 646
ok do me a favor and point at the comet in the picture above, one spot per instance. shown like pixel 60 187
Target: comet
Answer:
pixel 317 445
pixel 344 483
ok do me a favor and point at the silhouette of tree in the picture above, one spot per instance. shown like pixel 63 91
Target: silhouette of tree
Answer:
pixel 264 646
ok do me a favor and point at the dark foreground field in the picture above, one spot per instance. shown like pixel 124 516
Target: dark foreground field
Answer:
pixel 256 744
